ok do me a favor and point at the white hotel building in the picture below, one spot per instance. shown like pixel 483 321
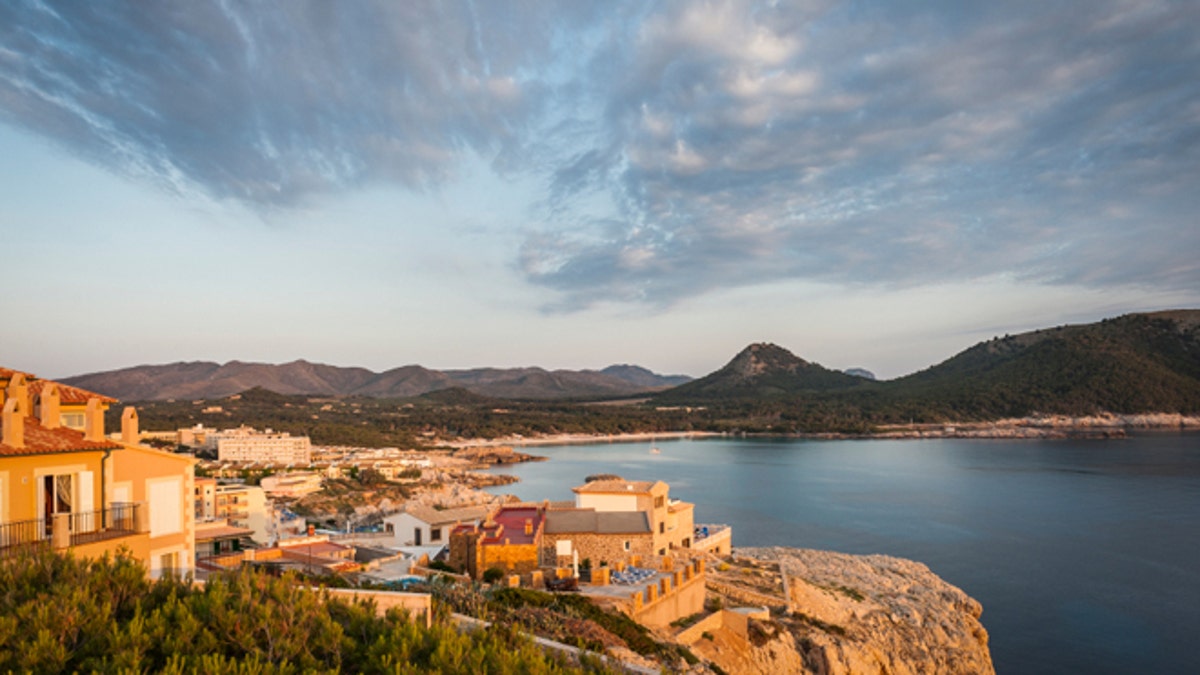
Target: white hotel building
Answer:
pixel 248 445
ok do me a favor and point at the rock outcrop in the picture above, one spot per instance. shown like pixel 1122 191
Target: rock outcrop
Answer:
pixel 842 614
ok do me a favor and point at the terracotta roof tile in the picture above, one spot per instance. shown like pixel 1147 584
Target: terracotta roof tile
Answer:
pixel 68 394
pixel 42 441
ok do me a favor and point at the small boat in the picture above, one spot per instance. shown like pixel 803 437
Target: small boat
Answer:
pixel 655 451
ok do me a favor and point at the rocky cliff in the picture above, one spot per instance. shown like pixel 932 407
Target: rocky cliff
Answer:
pixel 838 614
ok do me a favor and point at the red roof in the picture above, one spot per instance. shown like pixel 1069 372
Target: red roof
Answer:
pixel 513 520
pixel 7 373
pixel 42 441
pixel 68 394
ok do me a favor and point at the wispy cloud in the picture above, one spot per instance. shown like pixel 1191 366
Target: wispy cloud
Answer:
pixel 683 146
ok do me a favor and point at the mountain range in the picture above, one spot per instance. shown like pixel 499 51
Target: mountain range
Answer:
pixel 1133 363
pixel 209 380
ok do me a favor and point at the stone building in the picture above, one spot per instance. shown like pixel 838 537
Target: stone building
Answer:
pixel 595 537
pixel 509 539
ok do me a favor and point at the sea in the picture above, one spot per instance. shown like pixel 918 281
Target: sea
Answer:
pixel 1084 553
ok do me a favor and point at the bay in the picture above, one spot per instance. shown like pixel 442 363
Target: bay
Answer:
pixel 1084 553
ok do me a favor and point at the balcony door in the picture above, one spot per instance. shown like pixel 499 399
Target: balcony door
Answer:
pixel 67 493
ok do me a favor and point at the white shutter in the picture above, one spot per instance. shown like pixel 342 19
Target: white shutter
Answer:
pixel 166 517
pixel 85 504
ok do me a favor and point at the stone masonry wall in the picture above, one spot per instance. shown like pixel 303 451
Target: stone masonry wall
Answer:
pixel 599 547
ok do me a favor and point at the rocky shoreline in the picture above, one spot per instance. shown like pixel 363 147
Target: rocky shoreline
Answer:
pixel 839 614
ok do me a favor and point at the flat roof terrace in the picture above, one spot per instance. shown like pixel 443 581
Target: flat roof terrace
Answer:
pixel 513 521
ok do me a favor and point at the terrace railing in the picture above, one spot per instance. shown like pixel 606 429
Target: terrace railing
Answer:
pixel 120 520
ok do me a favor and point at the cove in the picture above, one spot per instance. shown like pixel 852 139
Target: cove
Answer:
pixel 1084 553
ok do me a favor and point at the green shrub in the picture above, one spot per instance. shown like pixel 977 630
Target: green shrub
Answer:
pixel 61 614
pixel 492 574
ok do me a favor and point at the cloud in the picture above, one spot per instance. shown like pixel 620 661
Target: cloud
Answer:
pixel 684 146
pixel 269 103
pixel 895 145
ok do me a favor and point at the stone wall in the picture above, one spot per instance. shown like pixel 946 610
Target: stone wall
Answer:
pixel 671 598
pixel 512 558
pixel 597 547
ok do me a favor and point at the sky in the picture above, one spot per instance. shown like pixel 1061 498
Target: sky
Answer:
pixel 576 184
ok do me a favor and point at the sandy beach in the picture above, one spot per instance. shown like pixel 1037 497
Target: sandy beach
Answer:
pixel 571 439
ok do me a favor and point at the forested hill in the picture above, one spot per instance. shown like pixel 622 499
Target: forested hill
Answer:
pixel 1130 364
pixel 1133 363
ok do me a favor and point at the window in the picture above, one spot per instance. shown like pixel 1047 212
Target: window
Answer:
pixel 73 420
pixel 391 529
pixel 658 502
pixel 626 544
pixel 168 565
pixel 435 534
pixel 662 527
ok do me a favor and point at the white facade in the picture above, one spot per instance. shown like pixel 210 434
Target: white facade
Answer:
pixel 248 445
pixel 607 502
pixel 424 526
pixel 244 506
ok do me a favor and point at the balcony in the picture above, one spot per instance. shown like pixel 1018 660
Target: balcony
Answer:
pixel 71 530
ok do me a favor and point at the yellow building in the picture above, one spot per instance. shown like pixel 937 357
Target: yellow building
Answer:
pixel 82 491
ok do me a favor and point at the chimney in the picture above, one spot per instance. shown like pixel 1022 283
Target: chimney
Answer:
pixel 129 426
pixel 18 390
pixel 93 421
pixel 14 424
pixel 49 406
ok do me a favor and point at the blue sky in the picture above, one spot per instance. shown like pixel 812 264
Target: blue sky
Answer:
pixel 571 185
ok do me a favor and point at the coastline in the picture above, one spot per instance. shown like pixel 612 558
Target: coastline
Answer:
pixel 1033 427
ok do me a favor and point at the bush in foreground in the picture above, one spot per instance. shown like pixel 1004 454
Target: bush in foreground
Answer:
pixel 60 614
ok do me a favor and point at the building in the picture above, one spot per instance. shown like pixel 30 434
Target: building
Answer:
pixel 247 445
pixel 419 525
pixel 509 539
pixel 72 402
pixel 670 521
pixel 243 506
pixel 595 537
pixel 205 499
pixel 84 492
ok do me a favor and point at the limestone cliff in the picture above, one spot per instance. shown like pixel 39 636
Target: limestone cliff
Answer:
pixel 838 614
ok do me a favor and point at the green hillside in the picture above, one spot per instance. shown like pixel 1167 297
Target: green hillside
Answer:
pixel 1130 364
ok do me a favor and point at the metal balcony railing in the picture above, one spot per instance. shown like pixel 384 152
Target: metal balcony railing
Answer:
pixel 87 527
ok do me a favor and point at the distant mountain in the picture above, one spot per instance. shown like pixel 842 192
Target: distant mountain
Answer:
pixel 1130 364
pixel 207 380
pixel 860 372
pixel 641 377
pixel 758 371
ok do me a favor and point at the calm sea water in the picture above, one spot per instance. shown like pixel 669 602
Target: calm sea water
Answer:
pixel 1085 554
